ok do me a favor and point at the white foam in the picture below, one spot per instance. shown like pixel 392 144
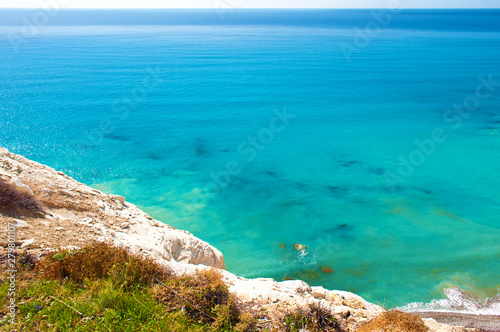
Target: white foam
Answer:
pixel 459 301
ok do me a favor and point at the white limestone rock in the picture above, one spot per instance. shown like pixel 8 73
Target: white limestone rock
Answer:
pixel 27 243
pixel 186 248
pixel 437 327
pixel 4 152
pixel 119 198
pixel 21 223
pixel 20 187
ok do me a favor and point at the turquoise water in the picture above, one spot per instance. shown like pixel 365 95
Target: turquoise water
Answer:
pixel 260 135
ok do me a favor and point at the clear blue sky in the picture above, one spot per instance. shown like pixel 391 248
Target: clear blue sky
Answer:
pixel 251 3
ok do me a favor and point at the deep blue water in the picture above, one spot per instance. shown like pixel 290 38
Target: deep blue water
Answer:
pixel 279 127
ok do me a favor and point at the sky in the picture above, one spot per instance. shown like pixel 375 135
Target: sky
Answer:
pixel 249 3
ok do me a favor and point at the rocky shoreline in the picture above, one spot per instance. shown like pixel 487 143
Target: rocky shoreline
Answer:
pixel 77 214
pixel 484 322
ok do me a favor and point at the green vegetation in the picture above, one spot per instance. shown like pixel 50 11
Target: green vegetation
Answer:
pixel 98 306
pixel 104 288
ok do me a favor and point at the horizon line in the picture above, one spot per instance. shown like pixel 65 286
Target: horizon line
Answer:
pixel 232 9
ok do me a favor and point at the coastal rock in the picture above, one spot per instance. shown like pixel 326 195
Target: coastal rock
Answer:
pixel 66 193
pixel 20 187
pixel 21 223
pixel 4 152
pixel 119 198
pixel 185 248
pixel 298 246
pixel 5 176
pixel 319 292
pixel 436 327
pixel 27 243
pixel 167 244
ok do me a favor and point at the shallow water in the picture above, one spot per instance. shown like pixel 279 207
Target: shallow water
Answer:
pixel 161 114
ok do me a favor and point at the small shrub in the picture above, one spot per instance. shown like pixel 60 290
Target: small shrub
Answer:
pixel 315 317
pixel 394 321
pixel 205 298
pixel 295 320
pixel 16 204
pixel 102 260
pixel 27 260
pixel 322 318
pixel 247 322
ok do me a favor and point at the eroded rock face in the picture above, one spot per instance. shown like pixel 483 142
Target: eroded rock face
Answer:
pixel 181 247
pixel 91 215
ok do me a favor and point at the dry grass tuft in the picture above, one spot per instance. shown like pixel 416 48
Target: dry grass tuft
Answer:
pixel 205 298
pixel 394 321
pixel 16 204
pixel 102 260
pixel 313 318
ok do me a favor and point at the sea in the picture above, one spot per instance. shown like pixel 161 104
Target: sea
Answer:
pixel 357 150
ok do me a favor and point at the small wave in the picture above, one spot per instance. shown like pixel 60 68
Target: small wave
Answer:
pixel 458 301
